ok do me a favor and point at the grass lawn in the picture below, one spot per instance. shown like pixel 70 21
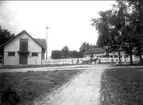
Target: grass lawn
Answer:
pixel 30 85
pixel 33 66
pixel 122 86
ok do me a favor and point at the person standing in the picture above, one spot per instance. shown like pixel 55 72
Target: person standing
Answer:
pixel 99 61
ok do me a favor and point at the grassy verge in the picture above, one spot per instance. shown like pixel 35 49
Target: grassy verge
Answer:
pixel 122 86
pixel 30 85
pixel 33 66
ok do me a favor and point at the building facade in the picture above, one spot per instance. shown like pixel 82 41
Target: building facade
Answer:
pixel 23 49
pixel 112 56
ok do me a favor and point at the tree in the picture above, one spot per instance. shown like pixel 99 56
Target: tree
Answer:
pixel 137 21
pixel 136 26
pixel 118 28
pixel 108 28
pixel 73 54
pixel 65 52
pixel 5 35
pixel 84 47
pixel 138 51
pixel 56 54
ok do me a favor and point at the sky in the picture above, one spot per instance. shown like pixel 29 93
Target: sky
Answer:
pixel 69 22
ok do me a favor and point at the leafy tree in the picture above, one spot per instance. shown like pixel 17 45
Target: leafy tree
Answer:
pixel 65 52
pixel 5 35
pixel 107 27
pixel 138 51
pixel 84 47
pixel 137 25
pixel 118 28
pixel 74 54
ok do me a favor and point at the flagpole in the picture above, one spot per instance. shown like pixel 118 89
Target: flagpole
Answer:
pixel 47 42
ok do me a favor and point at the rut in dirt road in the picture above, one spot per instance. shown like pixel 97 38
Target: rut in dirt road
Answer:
pixel 82 90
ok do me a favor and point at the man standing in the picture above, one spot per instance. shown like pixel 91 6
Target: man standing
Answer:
pixel 99 61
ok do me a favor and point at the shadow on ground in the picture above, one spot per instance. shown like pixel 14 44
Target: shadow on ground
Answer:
pixel 32 84
pixel 122 86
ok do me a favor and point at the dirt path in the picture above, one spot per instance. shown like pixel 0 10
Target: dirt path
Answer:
pixel 82 90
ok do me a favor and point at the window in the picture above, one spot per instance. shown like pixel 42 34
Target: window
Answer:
pixel 24 45
pixel 34 54
pixel 11 53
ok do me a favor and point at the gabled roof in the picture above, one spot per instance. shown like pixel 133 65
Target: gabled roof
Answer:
pixel 40 42
pixel 96 50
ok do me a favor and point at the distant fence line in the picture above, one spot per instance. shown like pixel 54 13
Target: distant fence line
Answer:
pixel 81 60
pixel 63 61
pixel 124 60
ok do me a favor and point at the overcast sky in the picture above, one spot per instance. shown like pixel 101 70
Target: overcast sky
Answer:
pixel 69 22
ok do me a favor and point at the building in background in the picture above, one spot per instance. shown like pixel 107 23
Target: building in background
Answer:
pixel 23 49
pixel 94 53
pixel 106 57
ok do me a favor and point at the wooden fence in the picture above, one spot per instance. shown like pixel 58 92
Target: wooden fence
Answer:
pixel 62 61
pixel 81 60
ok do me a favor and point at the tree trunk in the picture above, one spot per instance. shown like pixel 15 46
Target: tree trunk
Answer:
pixel 119 54
pixel 140 56
pixel 131 59
pixel 131 52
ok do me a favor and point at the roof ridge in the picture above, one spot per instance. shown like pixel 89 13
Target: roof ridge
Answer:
pixel 20 34
pixel 94 50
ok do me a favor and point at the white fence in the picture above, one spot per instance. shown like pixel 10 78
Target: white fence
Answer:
pixel 63 61
pixel 123 60
pixel 80 60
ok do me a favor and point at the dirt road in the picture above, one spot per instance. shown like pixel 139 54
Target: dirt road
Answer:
pixel 81 90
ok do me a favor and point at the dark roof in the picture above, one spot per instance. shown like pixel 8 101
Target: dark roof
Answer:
pixel 56 50
pixel 40 42
pixel 95 51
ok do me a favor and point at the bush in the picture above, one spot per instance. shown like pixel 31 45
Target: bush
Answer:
pixel 9 97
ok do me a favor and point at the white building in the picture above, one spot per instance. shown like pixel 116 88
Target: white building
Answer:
pixel 112 56
pixel 23 49
pixel 95 52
